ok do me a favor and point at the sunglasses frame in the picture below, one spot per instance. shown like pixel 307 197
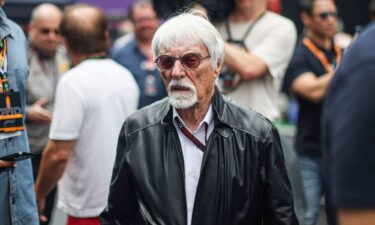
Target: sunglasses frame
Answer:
pixel 47 31
pixel 200 58
pixel 326 15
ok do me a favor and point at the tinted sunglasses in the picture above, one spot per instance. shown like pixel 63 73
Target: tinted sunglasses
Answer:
pixel 325 15
pixel 188 61
pixel 47 31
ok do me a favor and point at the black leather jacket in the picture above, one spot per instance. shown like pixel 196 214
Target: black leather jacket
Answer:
pixel 243 177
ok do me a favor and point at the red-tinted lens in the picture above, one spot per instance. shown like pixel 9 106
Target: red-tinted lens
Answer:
pixel 190 60
pixel 165 62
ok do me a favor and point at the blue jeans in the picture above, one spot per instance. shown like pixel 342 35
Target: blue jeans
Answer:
pixel 312 182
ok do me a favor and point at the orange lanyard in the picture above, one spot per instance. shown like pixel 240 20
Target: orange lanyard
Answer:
pixel 320 54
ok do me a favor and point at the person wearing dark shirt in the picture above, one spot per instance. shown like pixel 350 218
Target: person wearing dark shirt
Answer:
pixel 307 78
pixel 348 133
pixel 137 57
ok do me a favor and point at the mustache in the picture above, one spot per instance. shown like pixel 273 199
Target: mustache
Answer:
pixel 180 83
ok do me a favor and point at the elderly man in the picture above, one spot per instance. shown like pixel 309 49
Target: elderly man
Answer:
pixel 92 100
pixel 196 158
pixel 47 61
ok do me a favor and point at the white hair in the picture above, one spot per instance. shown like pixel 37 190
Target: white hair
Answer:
pixel 189 28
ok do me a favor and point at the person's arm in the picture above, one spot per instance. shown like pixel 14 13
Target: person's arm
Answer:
pixel 271 55
pixel 247 65
pixel 53 164
pixel 122 203
pixel 277 192
pixel 310 87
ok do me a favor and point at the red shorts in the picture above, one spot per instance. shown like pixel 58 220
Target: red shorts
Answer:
pixel 83 221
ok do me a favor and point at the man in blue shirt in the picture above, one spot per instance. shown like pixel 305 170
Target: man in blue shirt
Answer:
pixel 137 57
pixel 17 198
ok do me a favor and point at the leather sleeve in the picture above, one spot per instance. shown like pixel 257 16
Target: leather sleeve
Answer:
pixel 122 203
pixel 278 208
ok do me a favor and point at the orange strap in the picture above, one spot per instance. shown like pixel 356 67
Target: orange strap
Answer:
pixel 11 129
pixel 7 102
pixel 320 54
pixel 11 116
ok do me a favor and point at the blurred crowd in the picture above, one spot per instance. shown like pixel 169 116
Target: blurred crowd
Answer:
pixel 74 88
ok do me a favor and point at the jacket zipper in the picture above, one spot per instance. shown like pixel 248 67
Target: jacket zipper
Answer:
pixel 179 153
pixel 208 147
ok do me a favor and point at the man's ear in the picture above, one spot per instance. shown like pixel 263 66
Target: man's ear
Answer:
pixel 219 64
pixel 305 18
pixel 30 30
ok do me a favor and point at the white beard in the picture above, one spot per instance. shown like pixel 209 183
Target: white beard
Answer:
pixel 182 100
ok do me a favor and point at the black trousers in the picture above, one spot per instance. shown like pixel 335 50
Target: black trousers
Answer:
pixel 50 200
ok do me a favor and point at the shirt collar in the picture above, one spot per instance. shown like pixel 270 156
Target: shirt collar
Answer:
pixel 2 14
pixel 208 118
pixel 4 25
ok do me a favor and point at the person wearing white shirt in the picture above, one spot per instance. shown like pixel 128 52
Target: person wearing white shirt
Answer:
pixel 92 100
